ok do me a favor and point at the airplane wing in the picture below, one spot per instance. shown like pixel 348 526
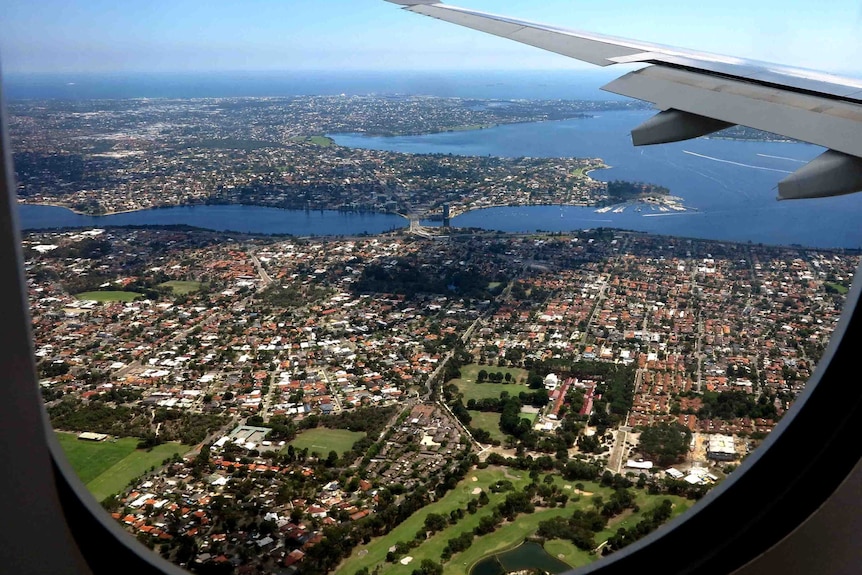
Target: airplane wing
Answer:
pixel 699 93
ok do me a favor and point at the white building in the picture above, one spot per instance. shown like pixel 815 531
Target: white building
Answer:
pixel 721 448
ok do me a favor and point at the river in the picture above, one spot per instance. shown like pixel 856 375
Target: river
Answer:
pixel 729 187
pixel 236 218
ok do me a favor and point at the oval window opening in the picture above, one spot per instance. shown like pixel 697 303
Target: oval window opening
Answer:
pixel 403 323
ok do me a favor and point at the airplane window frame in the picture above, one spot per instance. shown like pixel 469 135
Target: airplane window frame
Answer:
pixel 768 497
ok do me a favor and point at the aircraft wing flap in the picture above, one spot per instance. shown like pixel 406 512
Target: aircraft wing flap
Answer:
pixel 699 93
pixel 833 124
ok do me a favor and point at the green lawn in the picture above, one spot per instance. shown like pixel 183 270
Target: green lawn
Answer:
pixel 90 459
pixel 108 296
pixel 107 467
pixel 567 552
pixel 375 552
pixel 838 288
pixel 323 440
pixel 182 287
pixel 506 536
pixel 472 390
pixel 531 417
pixel 321 141
pixel 489 421
pixel 646 502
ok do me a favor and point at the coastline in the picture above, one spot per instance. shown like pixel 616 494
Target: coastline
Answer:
pixel 80 213
pixel 434 217
pixel 151 208
pixel 464 128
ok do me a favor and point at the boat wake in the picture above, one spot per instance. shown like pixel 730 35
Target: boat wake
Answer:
pixel 783 158
pixel 735 163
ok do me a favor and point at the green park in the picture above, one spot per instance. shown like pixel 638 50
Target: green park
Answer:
pixel 507 536
pixel 322 440
pixel 108 296
pixel 182 287
pixel 468 384
pixel 107 467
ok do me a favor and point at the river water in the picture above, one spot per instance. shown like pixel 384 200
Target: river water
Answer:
pixel 729 186
pixel 245 219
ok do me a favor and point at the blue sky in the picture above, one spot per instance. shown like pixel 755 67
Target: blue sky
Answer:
pixel 208 35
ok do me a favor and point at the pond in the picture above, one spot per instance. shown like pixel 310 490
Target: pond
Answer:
pixel 528 555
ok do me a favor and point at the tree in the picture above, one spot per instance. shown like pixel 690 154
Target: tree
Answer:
pixel 428 567
pixel 332 459
pixel 435 522
pixel 665 443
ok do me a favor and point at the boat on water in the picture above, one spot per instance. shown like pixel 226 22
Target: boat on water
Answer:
pixel 604 210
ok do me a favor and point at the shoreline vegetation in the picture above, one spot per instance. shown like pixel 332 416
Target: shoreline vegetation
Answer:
pixel 430 217
pixel 434 216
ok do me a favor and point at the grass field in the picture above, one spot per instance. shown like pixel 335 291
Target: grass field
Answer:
pixel 182 287
pixel 108 296
pixel 838 288
pixel 472 390
pixel 106 467
pixel 321 141
pixel 531 417
pixel 488 421
pixel 646 502
pixel 323 440
pixel 566 551
pixel 375 552
pixel 507 536
pixel 91 459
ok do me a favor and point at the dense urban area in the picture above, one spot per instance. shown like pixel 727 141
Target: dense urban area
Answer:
pixel 401 403
pixel 101 157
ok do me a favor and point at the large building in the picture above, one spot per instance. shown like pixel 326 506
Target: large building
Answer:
pixel 721 448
